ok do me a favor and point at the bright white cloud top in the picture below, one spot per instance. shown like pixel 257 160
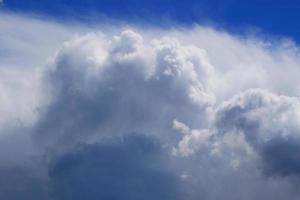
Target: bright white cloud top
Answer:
pixel 108 113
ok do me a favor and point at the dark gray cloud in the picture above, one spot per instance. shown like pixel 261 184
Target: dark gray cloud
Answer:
pixel 281 157
pixel 133 167
pixel 22 182
pixel 23 171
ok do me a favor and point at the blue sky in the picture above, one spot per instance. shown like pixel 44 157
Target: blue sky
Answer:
pixel 277 17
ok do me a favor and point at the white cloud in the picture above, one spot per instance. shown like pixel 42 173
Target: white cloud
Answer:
pixel 192 141
pixel 105 83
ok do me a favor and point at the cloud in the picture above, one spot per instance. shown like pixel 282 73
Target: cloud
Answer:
pixel 23 54
pixel 133 167
pixel 192 141
pixel 256 126
pixel 131 87
pixel 71 102
pixel 270 124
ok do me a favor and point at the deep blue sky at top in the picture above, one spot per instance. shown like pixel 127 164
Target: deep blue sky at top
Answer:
pixel 278 17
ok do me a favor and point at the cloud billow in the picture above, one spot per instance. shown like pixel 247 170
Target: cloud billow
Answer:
pixel 270 124
pixel 123 91
pixel 155 114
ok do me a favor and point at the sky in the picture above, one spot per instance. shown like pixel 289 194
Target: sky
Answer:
pixel 165 100
pixel 277 17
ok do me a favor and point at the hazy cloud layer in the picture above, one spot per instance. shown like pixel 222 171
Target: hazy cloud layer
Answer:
pixel 108 113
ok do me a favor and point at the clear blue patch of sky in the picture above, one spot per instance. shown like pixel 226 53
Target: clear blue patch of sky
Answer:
pixel 278 17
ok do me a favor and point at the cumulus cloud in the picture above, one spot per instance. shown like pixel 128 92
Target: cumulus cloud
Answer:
pixel 131 87
pixel 269 123
pixel 147 114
